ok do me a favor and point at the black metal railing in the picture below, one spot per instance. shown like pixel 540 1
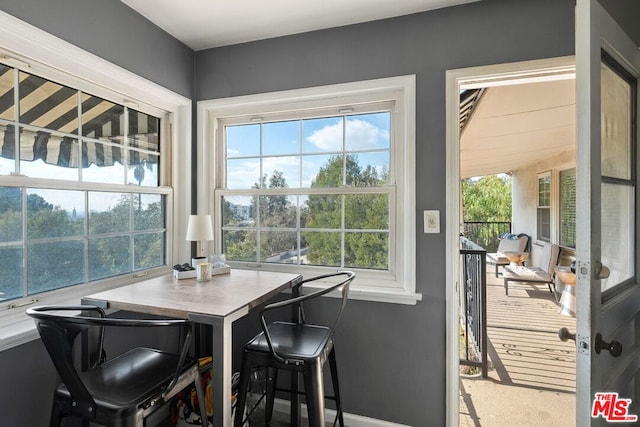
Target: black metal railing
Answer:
pixel 486 234
pixel 473 305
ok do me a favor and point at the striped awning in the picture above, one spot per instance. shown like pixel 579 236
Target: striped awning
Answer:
pixel 49 122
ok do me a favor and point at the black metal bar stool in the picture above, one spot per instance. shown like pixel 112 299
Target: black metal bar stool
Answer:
pixel 298 347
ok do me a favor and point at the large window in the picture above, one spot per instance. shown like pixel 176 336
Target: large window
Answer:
pixel 80 199
pixel 317 181
pixel 320 191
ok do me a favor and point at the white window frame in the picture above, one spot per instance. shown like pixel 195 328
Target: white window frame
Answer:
pixel 540 176
pixel 35 51
pixel 398 286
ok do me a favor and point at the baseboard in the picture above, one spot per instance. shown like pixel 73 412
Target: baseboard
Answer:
pixel 351 420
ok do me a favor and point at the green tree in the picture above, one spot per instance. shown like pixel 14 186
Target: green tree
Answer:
pixel 364 213
pixel 487 199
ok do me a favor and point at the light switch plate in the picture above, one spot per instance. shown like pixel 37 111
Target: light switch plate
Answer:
pixel 431 221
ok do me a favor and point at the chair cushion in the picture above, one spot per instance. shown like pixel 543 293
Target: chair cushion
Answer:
pixel 291 340
pixel 130 378
pixel 497 258
pixel 526 274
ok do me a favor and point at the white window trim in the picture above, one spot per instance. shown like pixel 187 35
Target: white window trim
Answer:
pixel 31 49
pixel 401 288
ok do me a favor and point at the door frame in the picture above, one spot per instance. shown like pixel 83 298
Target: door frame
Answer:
pixel 482 76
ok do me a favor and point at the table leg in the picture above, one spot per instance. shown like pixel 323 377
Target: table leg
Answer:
pixel 222 372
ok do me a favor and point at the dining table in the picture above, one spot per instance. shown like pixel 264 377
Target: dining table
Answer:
pixel 217 302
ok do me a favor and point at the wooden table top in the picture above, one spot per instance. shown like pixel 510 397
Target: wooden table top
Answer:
pixel 221 296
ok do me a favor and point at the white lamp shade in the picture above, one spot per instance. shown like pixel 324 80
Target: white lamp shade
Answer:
pixel 199 228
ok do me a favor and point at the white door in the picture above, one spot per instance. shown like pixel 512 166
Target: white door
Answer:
pixel 608 293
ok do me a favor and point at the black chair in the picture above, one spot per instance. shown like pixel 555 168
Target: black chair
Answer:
pixel 298 347
pixel 119 392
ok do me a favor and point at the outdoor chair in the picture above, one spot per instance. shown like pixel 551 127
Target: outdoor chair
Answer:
pixel 123 390
pixel 508 243
pixel 299 347
pixel 540 267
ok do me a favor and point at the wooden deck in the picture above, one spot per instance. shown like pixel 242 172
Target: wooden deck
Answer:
pixel 531 372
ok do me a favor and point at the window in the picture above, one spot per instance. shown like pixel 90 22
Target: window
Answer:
pixel 80 199
pixel 568 208
pixel 317 179
pixel 544 208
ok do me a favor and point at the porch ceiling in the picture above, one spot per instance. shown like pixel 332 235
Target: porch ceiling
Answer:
pixel 518 125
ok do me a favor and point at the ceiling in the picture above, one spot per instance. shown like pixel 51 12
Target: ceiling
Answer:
pixel 202 24
pixel 518 125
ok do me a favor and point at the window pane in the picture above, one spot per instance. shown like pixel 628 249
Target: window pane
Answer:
pixel 277 211
pixel 544 224
pixel 323 171
pixel 544 191
pixel 279 247
pixel 101 119
pixel 368 169
pixel 7 149
pixel 243 173
pixel 109 257
pixel 238 211
pixel 55 265
pixel 617 233
pixel 240 245
pixel 243 140
pixel 46 104
pixel 367 132
pixel 149 250
pixel 10 214
pixel 323 212
pixel 616 124
pixel 43 155
pixel 109 213
pixel 366 211
pixel 323 135
pixel 148 212
pixel 322 248
pixel 568 208
pixel 366 250
pixel 7 110
pixel 143 169
pixel 281 138
pixel 281 172
pixel 11 272
pixel 144 131
pixel 106 174
pixel 101 155
pixel 54 213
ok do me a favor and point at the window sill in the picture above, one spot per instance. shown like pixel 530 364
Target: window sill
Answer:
pixel 386 295
pixel 17 328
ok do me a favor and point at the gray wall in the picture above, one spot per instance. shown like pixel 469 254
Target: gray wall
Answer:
pixel 392 357
pixel 115 32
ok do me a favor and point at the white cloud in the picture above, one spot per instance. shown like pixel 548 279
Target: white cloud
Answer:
pixel 361 135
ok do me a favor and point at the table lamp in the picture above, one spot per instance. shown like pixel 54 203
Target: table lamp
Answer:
pixel 199 229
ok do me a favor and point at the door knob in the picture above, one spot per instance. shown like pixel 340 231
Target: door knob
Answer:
pixel 565 335
pixel 602 271
pixel 614 347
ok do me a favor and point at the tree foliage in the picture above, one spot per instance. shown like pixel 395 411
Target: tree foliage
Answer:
pixel 56 242
pixel 487 199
